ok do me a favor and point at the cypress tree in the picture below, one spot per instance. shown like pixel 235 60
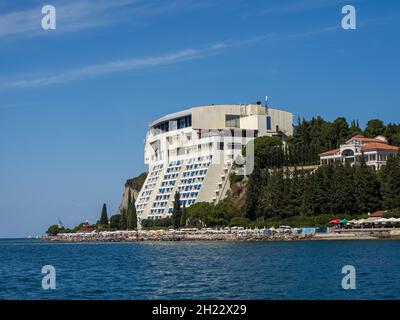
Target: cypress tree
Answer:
pixel 183 216
pixel 294 193
pixel 342 189
pixel 322 183
pixel 308 204
pixel 123 220
pixel 104 216
pixel 390 183
pixel 271 202
pixel 131 215
pixel 252 193
pixel 366 188
pixel 286 208
pixel 177 211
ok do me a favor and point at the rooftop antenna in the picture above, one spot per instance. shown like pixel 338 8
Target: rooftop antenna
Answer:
pixel 266 104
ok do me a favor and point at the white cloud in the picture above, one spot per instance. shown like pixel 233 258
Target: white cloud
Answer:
pixel 106 68
pixel 75 15
pixel 32 81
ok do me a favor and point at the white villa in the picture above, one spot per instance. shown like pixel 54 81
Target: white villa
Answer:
pixel 376 151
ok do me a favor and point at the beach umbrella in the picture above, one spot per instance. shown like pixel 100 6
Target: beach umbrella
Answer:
pixel 334 221
pixel 344 221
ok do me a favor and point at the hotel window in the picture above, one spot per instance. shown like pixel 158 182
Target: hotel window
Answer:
pixel 220 146
pixel 184 122
pixel 234 146
pixel 232 120
pixel 268 122
pixel 180 151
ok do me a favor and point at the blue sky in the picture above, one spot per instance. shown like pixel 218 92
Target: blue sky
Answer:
pixel 75 101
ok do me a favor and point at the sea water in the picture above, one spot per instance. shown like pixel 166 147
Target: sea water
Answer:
pixel 200 270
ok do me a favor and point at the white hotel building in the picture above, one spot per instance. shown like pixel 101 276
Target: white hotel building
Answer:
pixel 192 151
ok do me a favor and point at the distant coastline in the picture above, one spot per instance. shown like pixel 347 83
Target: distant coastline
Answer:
pixel 220 235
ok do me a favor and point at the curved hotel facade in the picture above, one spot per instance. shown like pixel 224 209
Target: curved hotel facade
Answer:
pixel 192 152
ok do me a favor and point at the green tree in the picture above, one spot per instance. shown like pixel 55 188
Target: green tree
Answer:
pixel 221 214
pixel 355 128
pixel 322 179
pixel 115 221
pixel 54 229
pixel 341 130
pixel 183 216
pixel 392 133
pixel 375 127
pixel 271 201
pixel 104 216
pixel 308 205
pixel 123 220
pixel 390 183
pixel 158 223
pixel 198 214
pixel 131 213
pixel 294 192
pixel 254 186
pixel 366 188
pixel 268 152
pixel 341 198
pixel 177 211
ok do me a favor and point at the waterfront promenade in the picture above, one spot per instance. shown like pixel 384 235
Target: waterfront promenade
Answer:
pixel 227 234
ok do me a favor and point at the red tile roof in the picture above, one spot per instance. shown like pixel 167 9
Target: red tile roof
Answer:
pixel 329 152
pixel 361 138
pixel 378 214
pixel 378 146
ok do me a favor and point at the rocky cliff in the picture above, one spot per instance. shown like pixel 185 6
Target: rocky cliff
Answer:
pixel 132 185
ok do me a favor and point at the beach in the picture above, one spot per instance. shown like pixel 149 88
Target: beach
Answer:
pixel 226 234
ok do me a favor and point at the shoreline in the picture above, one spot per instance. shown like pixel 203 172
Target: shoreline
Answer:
pixel 219 235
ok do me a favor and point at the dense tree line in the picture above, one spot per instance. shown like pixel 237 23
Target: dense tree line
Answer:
pixel 201 214
pixel 335 189
pixel 329 135
pixel 158 223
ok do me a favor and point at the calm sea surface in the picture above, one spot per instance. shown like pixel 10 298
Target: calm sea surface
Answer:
pixel 200 270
